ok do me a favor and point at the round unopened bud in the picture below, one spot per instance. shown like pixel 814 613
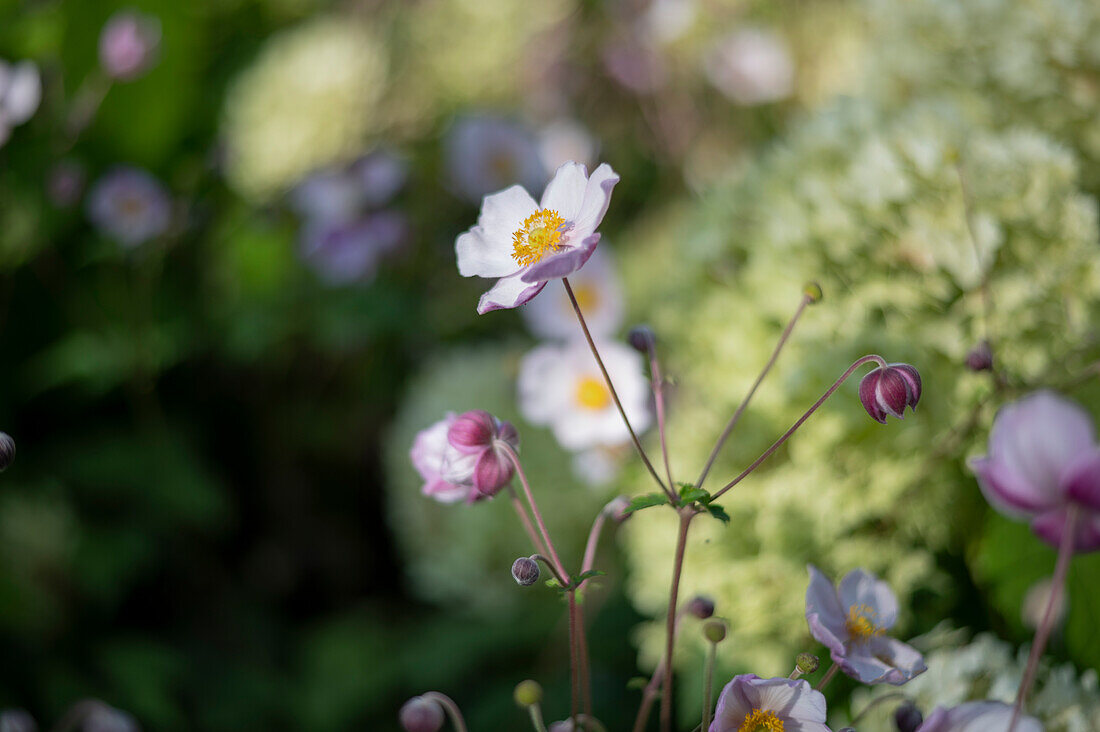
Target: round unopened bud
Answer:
pixel 980 357
pixel 889 389
pixel 807 663
pixel 525 571
pixel 528 693
pixel 17 720
pixel 421 715
pixel 7 451
pixel 714 631
pixel 812 290
pixel 907 718
pixel 701 607
pixel 642 338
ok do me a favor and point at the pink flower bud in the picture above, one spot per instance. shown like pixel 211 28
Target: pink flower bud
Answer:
pixel 486 441
pixel 420 715
pixel 888 389
pixel 128 45
pixel 980 357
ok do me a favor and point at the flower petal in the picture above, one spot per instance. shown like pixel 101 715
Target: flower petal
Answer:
pixel 472 431
pixel 508 292
pixel 563 263
pixel 863 588
pixel 565 191
pixel 1008 492
pixel 597 197
pixel 978 716
pixel 790 699
pixel 1051 527
pixel 824 612
pixel 486 249
pixel 733 705
pixel 493 471
pixel 1080 479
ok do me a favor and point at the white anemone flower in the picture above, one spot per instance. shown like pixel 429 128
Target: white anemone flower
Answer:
pixel 20 94
pixel 599 295
pixel 525 244
pixel 561 387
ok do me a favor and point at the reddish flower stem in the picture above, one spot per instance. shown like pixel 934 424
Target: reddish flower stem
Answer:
pixel 806 300
pixel 574 680
pixel 775 445
pixel 686 515
pixel 451 708
pixel 534 508
pixel 1042 633
pixel 524 519
pixel 658 386
pixel 611 388
pixel 650 691
pixel 582 654
pixel 827 677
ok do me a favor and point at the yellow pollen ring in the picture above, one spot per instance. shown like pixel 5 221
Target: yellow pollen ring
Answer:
pixel 760 720
pixel 539 235
pixel 592 394
pixel 861 623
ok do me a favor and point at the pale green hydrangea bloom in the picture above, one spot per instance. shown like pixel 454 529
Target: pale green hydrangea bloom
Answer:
pixel 308 100
pixel 462 553
pixel 871 204
pixel 985 668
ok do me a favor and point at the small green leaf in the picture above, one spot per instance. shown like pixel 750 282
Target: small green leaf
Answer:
pixel 690 494
pixel 718 512
pixel 647 501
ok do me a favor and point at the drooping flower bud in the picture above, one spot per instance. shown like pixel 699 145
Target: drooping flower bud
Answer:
pixel 128 45
pixel 980 357
pixel 7 451
pixel 812 290
pixel 528 693
pixel 887 390
pixel 420 715
pixel 701 607
pixel 525 571
pixel 907 718
pixel 714 631
pixel 642 338
pixel 807 663
pixel 483 441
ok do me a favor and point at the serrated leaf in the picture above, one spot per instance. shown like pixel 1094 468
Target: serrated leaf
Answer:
pixel 718 512
pixel 637 503
pixel 690 494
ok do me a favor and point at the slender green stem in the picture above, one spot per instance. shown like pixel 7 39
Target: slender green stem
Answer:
pixel 775 445
pixel 1042 634
pixel 708 683
pixel 450 707
pixel 536 718
pixel 686 515
pixel 611 389
pixel 574 679
pixel 827 677
pixel 806 300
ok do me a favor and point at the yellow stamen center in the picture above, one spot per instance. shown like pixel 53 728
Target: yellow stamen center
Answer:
pixel 592 394
pixel 760 720
pixel 539 235
pixel 861 623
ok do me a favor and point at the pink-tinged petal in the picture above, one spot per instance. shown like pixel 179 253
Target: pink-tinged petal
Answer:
pixel 562 264
pixel 1080 479
pixel 428 449
pixel 978 716
pixel 508 292
pixel 565 191
pixel 902 661
pixel 445 492
pixel 472 431
pixel 912 381
pixel 824 610
pixel 597 197
pixel 486 249
pixel 458 468
pixel 508 433
pixel 733 705
pixel 892 392
pixel 492 472
pixel 1008 492
pixel 1051 527
pixel 1036 437
pixel 868 395
pixel 863 588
